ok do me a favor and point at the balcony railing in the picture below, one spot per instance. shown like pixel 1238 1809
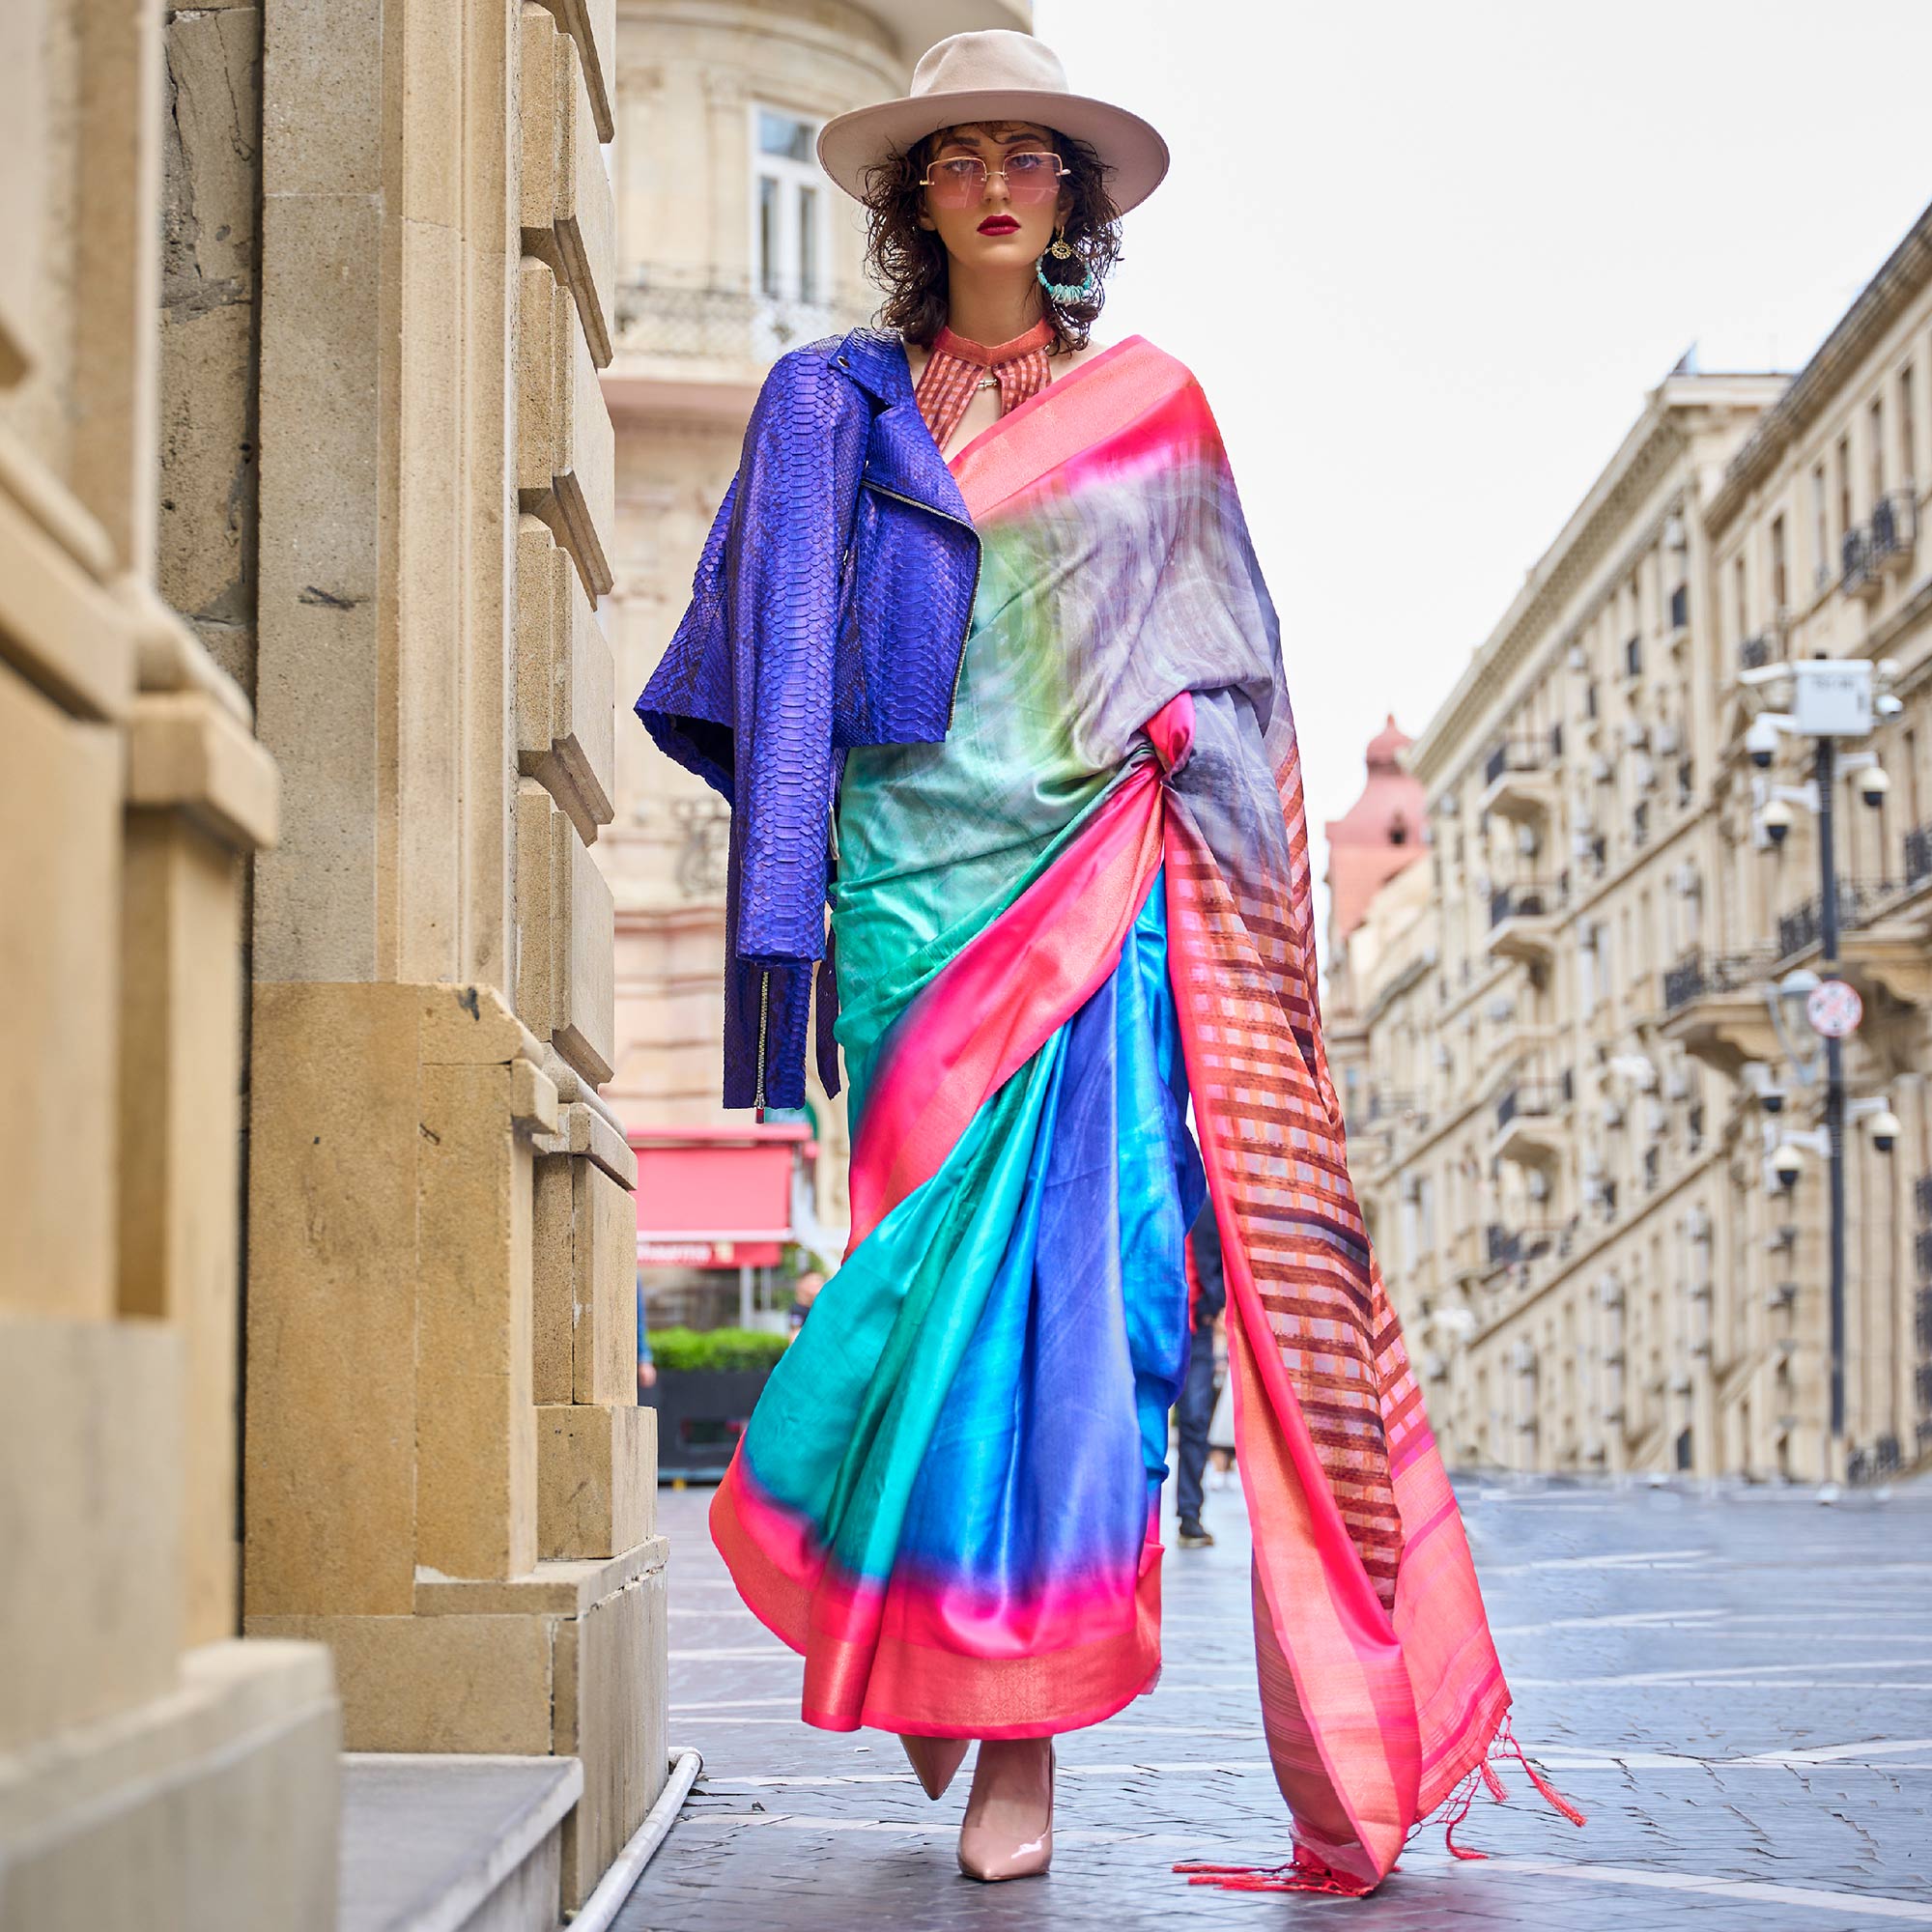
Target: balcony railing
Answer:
pixel 1894 527
pixel 1525 900
pixel 1506 1245
pixel 1918 855
pixel 1697 973
pixel 1805 924
pixel 1754 653
pixel 1522 755
pixel 710 324
pixel 1922 1197
pixel 1390 1104
pixel 1535 1100
pixel 1858 575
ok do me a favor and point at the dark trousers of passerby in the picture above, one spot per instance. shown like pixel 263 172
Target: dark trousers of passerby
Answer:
pixel 1192 1415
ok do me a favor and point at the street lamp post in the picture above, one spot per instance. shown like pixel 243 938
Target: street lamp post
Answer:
pixel 1826 698
pixel 1834 1102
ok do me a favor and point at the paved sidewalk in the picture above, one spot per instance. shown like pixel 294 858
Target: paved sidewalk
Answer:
pixel 1736 1687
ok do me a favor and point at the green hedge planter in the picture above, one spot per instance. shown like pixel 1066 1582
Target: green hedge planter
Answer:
pixel 709 1380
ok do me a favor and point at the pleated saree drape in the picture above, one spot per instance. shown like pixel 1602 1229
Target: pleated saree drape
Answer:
pixel 1090 905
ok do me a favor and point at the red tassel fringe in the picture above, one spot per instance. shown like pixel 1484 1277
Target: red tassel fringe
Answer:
pixel 1305 1873
pixel 1308 1873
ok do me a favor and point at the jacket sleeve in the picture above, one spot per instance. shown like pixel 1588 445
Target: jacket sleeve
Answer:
pixel 686 703
pixel 797 487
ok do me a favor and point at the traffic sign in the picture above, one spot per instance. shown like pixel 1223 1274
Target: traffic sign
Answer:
pixel 1834 1009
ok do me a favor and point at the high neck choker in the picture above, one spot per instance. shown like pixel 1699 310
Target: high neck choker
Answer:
pixel 957 366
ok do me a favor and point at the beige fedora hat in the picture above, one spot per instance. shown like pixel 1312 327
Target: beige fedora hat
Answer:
pixel 996 75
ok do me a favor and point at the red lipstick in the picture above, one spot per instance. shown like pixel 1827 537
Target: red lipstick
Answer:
pixel 999 224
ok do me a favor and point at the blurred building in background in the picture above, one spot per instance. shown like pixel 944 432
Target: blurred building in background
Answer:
pixel 731 248
pixel 1574 1065
pixel 1377 839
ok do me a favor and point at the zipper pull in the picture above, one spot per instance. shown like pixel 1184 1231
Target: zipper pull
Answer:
pixel 764 1022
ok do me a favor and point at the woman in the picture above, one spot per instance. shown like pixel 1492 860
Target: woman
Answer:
pixel 979 633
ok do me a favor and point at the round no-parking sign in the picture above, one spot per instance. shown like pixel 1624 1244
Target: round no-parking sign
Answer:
pixel 1834 1009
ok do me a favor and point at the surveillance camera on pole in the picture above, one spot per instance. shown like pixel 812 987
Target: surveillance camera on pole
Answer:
pixel 1761 742
pixel 1826 699
pixel 1881 1123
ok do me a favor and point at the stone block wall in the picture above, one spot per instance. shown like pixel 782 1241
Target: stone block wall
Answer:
pixel 153 1768
pixel 447 1478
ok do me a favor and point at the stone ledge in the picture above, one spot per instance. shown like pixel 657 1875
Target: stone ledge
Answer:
pixel 472 1026
pixel 552 1589
pixel 430 1839
pixel 58 626
pixel 585 1128
pixel 233 1699
pixel 188 754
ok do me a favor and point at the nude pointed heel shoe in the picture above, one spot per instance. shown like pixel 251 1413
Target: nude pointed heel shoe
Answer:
pixel 935 1761
pixel 1008 1827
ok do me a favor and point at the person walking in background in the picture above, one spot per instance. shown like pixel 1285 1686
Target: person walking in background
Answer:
pixel 647 1368
pixel 1207 1297
pixel 804 1293
pixel 1221 1434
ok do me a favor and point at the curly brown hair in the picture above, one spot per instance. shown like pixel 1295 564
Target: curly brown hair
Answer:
pixel 909 263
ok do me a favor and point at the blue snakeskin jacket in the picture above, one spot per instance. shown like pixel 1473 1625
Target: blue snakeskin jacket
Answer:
pixel 829 609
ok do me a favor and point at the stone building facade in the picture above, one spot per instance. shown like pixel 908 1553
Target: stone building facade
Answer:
pixel 1561 1132
pixel 1817 549
pixel 732 248
pixel 318 1419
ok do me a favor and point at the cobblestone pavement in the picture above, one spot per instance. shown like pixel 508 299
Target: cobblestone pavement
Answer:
pixel 1736 1687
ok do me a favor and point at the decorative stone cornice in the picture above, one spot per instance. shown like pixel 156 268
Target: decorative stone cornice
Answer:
pixel 1904 274
pixel 1653 442
pixel 1597 529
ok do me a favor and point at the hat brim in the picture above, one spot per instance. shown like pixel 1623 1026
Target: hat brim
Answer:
pixel 1132 154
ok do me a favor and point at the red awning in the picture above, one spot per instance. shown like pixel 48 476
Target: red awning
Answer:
pixel 716 1197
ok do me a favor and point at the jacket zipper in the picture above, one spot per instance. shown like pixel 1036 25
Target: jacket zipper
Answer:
pixel 978 557
pixel 764 1021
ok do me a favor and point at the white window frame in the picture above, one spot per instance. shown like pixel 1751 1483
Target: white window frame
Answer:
pixel 784 317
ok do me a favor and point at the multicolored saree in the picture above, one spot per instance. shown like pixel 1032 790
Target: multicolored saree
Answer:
pixel 1086 909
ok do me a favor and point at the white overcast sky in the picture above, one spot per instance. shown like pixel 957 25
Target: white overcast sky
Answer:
pixel 1427 256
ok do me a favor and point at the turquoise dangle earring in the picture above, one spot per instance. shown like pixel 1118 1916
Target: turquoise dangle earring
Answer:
pixel 1059 260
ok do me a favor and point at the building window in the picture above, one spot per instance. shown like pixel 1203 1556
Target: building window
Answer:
pixel 1780 600
pixel 1875 416
pixel 1844 468
pixel 1740 597
pixel 1821 535
pixel 1908 431
pixel 789 227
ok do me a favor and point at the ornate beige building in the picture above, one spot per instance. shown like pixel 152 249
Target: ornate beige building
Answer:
pixel 318 1419
pixel 1561 1128
pixel 732 248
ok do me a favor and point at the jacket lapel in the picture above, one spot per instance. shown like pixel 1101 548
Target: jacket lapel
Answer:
pixel 900 454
